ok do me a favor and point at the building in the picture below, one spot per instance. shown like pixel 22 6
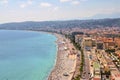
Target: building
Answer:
pixel 100 45
pixel 97 74
pixel 117 42
pixel 115 75
pixel 93 42
pixel 78 39
pixel 88 42
pixel 109 43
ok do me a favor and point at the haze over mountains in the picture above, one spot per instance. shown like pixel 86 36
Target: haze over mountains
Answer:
pixel 93 23
pixel 103 16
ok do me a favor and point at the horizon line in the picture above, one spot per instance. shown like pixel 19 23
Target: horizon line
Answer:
pixel 57 20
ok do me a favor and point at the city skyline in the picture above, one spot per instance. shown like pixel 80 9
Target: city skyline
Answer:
pixel 45 10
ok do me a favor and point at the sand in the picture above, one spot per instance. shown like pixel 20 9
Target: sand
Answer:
pixel 66 60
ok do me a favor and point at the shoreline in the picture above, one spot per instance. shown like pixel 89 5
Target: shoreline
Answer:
pixel 55 61
pixel 65 62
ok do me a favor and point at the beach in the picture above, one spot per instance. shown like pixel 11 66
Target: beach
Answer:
pixel 66 60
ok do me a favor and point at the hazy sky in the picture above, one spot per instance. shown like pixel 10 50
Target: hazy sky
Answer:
pixel 42 10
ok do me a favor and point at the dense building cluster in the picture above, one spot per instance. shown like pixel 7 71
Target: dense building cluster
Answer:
pixel 102 47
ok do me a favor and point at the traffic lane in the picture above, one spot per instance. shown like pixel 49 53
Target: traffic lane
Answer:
pixel 86 66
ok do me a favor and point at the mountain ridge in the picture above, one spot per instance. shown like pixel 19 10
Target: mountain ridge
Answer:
pixel 90 23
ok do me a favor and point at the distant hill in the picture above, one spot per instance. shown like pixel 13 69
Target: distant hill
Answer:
pixel 101 16
pixel 63 24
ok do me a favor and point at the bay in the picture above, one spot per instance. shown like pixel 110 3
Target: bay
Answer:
pixel 26 55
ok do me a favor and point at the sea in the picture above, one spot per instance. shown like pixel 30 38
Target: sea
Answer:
pixel 26 55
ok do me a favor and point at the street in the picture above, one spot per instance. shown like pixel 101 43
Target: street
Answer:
pixel 86 69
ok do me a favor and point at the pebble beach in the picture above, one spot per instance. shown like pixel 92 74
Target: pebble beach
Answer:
pixel 66 60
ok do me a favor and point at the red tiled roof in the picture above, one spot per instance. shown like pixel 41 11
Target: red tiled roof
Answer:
pixel 111 44
pixel 117 40
pixel 96 79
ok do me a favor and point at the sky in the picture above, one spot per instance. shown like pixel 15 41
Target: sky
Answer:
pixel 47 10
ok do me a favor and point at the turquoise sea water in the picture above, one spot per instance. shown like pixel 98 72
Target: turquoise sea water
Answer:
pixel 26 55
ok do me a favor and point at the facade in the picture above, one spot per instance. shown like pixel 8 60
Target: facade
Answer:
pixel 87 42
pixel 117 42
pixel 93 42
pixel 109 45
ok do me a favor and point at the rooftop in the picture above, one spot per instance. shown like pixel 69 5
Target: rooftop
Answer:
pixel 96 65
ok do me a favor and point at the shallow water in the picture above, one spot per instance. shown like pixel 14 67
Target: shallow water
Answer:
pixel 26 55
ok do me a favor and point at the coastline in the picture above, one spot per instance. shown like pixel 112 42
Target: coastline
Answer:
pixel 40 75
pixel 65 62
